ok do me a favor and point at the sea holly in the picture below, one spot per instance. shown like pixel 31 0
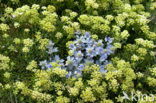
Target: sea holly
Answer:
pixel 88 51
pixel 84 50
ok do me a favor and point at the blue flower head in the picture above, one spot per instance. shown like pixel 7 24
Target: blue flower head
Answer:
pixel 49 66
pixel 102 70
pixel 51 48
pixel 43 64
pixel 50 44
pixel 77 32
pixel 69 60
pixel 71 46
pixel 69 74
pixel 103 57
pixel 108 40
pixel 87 35
pixel 81 67
pixel 58 60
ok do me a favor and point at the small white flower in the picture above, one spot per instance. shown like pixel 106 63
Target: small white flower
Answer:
pixel 13 16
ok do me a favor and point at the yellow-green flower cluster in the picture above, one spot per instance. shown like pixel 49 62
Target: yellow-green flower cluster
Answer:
pixel 59 72
pixel 145 43
pixel 35 95
pixel 28 43
pixel 134 58
pixel 122 70
pixel 21 86
pixel 69 30
pixel 15 1
pixel 59 35
pixel 152 36
pixel 127 7
pixel 4 27
pixel 49 21
pixel 43 81
pixel 87 95
pixel 153 71
pixel 124 34
pixel 42 97
pixel 17 41
pixel 70 26
pixel 113 4
pixel 120 19
pixel 16 25
pixel 151 81
pixel 4 62
pixel 141 52
pixel 8 10
pixel 62 99
pixel 109 17
pixel 153 6
pixel 27 14
pixel 97 23
pixel 74 91
pixel 43 43
pixel 7 75
pixel 151 78
pixel 117 45
pixel 91 4
pixel 32 66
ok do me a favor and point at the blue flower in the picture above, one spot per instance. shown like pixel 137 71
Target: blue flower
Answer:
pixel 103 57
pixel 87 35
pixel 69 60
pixel 43 64
pixel 58 60
pixel 71 46
pixel 90 51
pixel 79 40
pixel 50 44
pixel 81 67
pixel 52 50
pixel 106 62
pixel 109 49
pixel 108 40
pixel 77 73
pixel 99 50
pixel 69 74
pixel 102 70
pixel 55 50
pixel 78 56
pixel 77 32
pixel 49 66
pixel 89 61
pixel 99 43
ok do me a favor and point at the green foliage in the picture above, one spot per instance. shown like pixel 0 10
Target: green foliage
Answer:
pixel 26 26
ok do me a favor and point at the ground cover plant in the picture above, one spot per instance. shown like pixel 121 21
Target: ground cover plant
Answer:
pixel 77 51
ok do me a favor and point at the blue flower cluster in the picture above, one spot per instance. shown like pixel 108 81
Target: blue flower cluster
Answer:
pixel 83 51
pixel 86 51
pixel 52 58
